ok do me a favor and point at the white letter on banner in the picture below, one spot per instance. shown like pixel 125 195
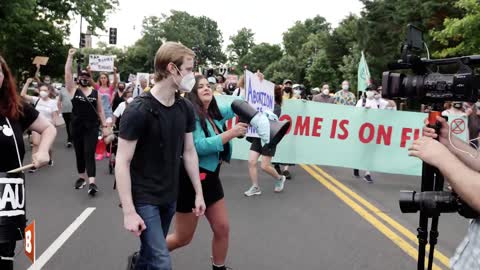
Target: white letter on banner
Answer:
pixel 22 204
pixel 8 196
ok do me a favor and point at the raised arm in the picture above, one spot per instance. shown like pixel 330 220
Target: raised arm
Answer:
pixel 115 78
pixel 25 89
pixel 69 84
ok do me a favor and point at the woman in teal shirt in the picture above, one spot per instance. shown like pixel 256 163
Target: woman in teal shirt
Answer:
pixel 213 146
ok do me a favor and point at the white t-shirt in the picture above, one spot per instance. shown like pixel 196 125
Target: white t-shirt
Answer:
pixel 120 109
pixel 371 103
pixel 45 107
pixel 383 103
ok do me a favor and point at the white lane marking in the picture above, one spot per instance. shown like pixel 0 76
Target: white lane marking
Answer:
pixel 47 254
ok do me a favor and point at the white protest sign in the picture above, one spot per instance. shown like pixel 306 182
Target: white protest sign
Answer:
pixel 259 94
pixel 101 63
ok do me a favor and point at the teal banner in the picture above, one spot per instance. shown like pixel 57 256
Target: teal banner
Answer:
pixel 345 136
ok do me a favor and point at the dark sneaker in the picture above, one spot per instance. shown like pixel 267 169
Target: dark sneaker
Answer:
pixel 69 144
pixel 80 183
pixel 50 163
pixel 277 168
pixel 32 170
pixel 356 173
pixel 92 189
pixel 287 174
pixel 368 178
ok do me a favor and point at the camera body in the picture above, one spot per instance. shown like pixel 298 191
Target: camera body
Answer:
pixel 425 82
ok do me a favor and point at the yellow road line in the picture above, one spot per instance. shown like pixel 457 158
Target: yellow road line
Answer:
pixel 395 238
pixel 438 255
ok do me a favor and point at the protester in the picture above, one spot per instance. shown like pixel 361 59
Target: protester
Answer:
pixel 143 87
pixel 118 96
pixel 127 98
pixel 455 109
pixel 267 152
pixel 218 90
pixel 368 101
pixel 213 144
pixel 240 91
pixel 47 106
pixel 16 116
pixel 87 109
pixel 324 96
pixel 287 94
pixel 148 156
pixel 344 96
pixel 65 106
pixel 288 90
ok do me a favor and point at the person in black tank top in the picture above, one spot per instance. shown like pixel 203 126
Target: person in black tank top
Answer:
pixel 118 96
pixel 87 114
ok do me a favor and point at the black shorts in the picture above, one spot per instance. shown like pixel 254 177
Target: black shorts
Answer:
pixel 211 185
pixel 266 150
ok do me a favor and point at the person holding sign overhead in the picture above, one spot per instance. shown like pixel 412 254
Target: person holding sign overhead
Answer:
pixel 47 106
pixel 16 116
pixel 86 111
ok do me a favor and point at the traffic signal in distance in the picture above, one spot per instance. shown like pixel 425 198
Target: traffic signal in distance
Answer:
pixel 80 58
pixel 82 40
pixel 113 36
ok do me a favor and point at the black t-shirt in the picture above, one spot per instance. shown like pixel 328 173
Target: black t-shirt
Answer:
pixel 160 133
pixel 116 101
pixel 8 156
pixel 84 113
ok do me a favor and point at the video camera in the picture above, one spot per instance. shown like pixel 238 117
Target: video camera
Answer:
pixel 426 83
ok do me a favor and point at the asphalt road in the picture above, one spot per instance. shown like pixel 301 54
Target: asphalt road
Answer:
pixel 325 219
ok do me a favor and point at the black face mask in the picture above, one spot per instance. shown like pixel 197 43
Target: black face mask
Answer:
pixel 287 89
pixel 121 89
pixel 458 105
pixel 83 82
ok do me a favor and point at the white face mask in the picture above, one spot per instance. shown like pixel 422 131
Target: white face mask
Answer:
pixel 370 94
pixel 297 92
pixel 152 81
pixel 345 87
pixel 325 92
pixel 129 100
pixel 378 96
pixel 187 83
pixel 43 94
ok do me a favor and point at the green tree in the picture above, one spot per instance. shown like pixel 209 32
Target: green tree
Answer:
pixel 460 35
pixel 285 68
pixel 298 34
pixel 201 32
pixel 261 56
pixel 320 70
pixel 241 43
pixel 39 27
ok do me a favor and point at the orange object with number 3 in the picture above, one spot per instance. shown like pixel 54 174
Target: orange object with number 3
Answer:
pixel 30 241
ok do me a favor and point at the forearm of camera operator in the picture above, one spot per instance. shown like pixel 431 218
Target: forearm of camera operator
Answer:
pixel 466 153
pixel 464 181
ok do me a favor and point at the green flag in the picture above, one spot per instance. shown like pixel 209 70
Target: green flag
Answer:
pixel 363 74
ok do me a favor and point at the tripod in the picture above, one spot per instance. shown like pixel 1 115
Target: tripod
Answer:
pixel 432 180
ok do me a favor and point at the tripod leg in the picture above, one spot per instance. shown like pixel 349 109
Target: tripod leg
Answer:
pixel 438 186
pixel 428 174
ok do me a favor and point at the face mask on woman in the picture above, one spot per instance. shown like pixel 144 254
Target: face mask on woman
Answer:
pixel 43 94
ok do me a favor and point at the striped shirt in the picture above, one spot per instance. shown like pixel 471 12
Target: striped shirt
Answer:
pixel 467 255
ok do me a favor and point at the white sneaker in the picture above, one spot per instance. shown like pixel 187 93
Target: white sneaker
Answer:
pixel 253 190
pixel 280 184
